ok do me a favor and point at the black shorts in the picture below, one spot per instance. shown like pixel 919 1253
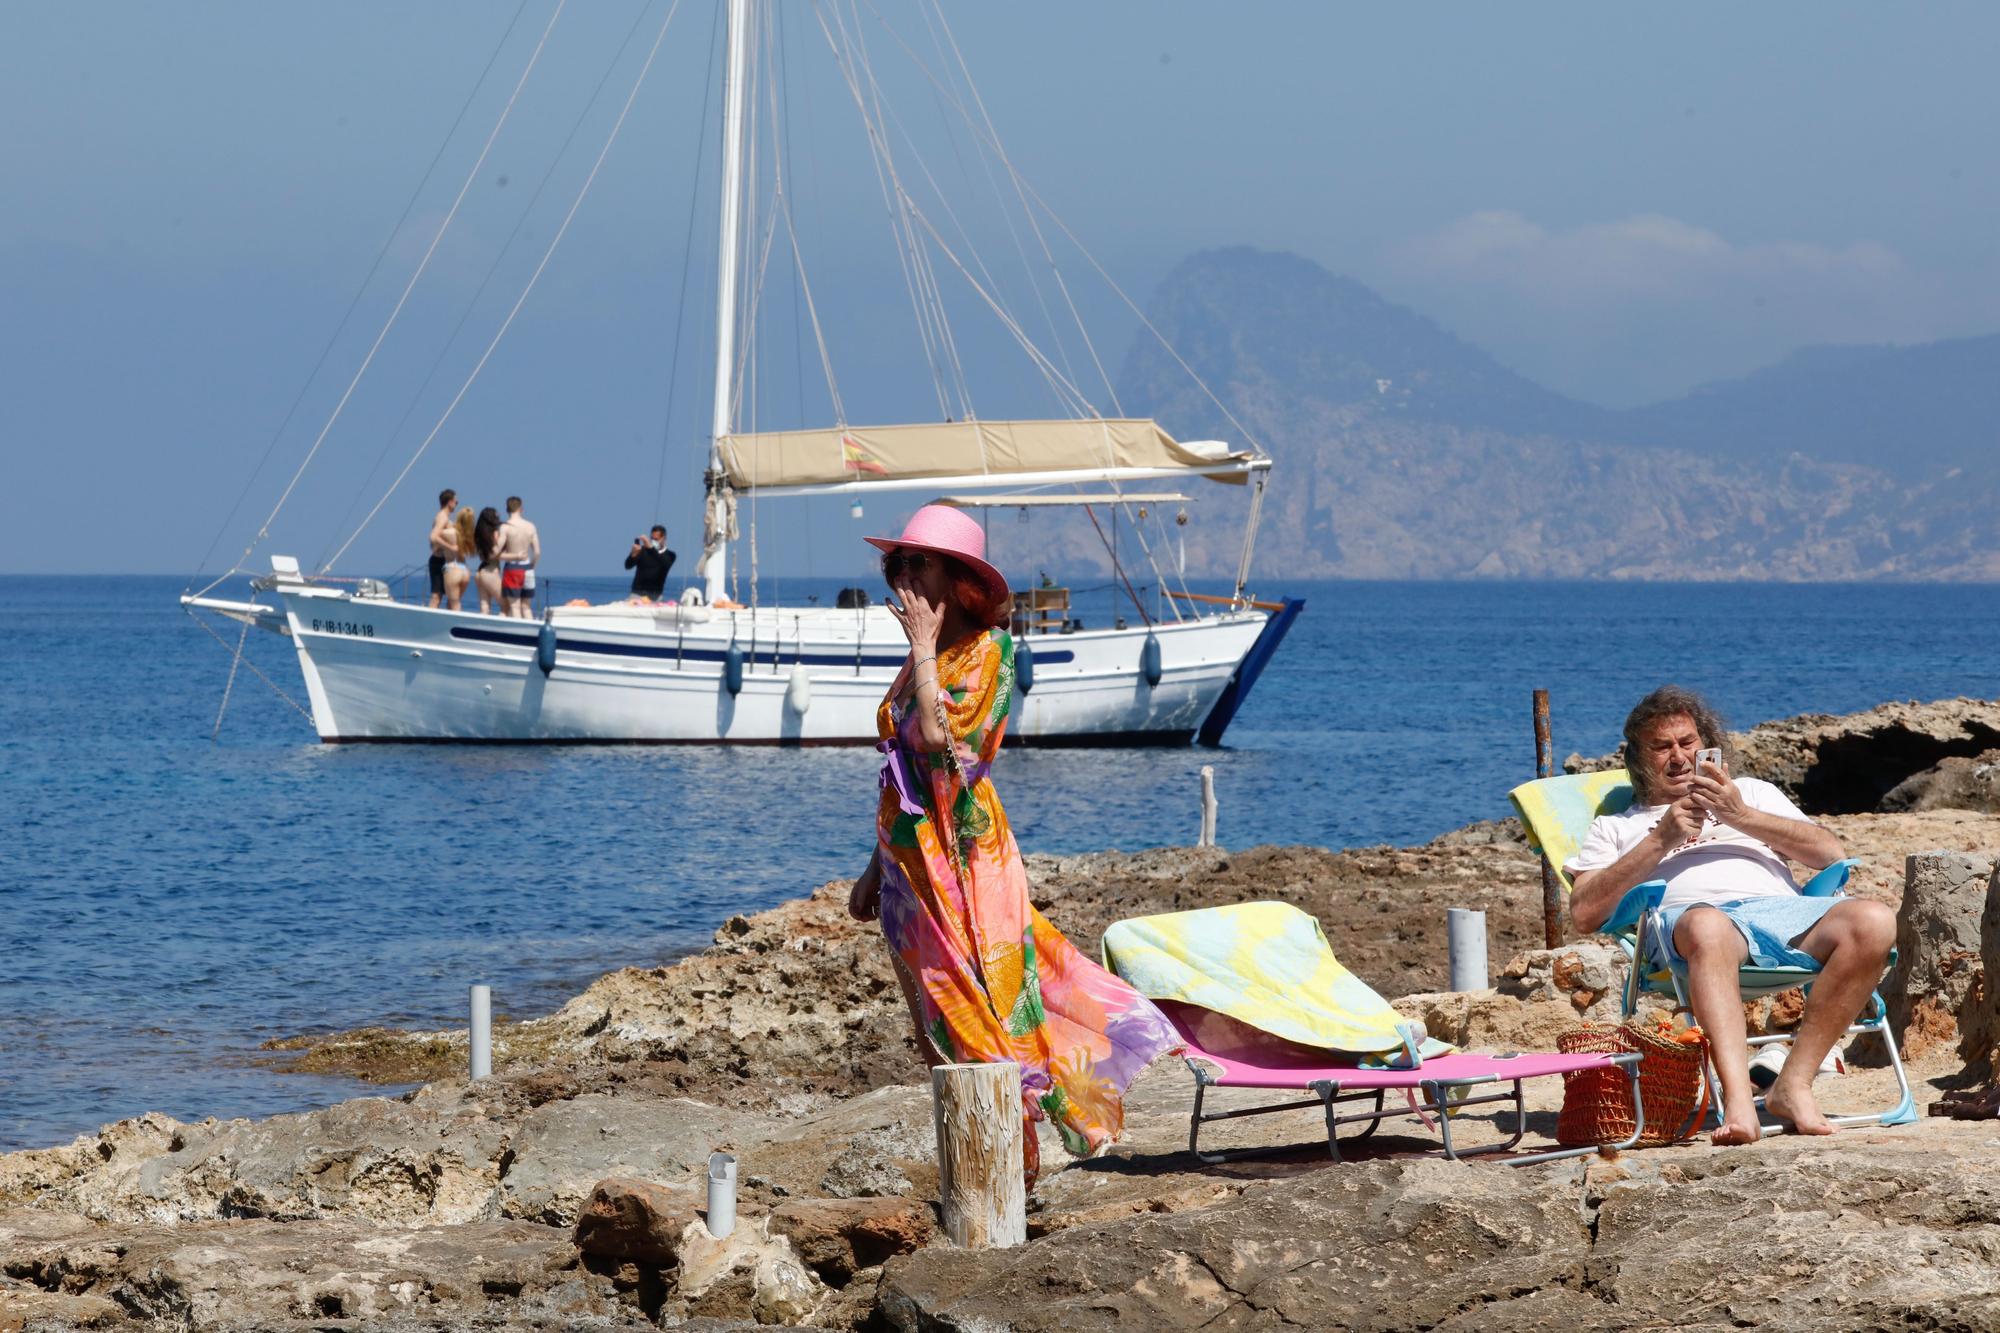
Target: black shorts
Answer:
pixel 438 563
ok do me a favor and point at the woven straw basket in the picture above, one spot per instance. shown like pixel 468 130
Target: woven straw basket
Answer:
pixel 1597 1103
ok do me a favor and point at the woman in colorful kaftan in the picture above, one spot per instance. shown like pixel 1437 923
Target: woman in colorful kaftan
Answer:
pixel 986 977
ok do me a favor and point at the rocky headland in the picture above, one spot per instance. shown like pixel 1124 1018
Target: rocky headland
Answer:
pixel 565 1191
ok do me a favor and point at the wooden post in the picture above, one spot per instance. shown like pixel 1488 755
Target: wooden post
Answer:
pixel 1207 806
pixel 976 1110
pixel 1545 767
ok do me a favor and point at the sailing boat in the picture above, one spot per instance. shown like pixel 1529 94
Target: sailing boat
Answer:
pixel 704 668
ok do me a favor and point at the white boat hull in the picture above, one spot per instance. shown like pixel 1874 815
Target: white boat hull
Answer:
pixel 377 670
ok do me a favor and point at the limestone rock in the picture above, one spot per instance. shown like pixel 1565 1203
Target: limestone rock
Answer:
pixel 562 1148
pixel 1954 783
pixel 1870 1229
pixel 1979 1016
pixel 1380 1245
pixel 636 1220
pixel 838 1238
pixel 1937 948
pixel 1589 975
pixel 748 1274
pixel 258 1272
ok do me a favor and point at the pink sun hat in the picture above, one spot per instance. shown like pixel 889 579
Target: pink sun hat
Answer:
pixel 952 532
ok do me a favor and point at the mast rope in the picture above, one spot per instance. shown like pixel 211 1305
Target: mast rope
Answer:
pixel 1048 256
pixel 485 281
pixel 347 315
pixel 687 258
pixel 1034 197
pixel 561 231
pixel 909 252
pixel 264 528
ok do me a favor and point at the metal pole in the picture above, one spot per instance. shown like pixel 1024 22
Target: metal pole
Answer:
pixel 721 1219
pixel 482 1031
pixel 1545 767
pixel 1207 806
pixel 1465 929
pixel 735 96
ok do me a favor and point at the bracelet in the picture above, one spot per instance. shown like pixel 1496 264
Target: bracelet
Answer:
pixel 921 660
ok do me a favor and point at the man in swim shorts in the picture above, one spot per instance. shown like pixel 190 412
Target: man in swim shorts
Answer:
pixel 520 552
pixel 444 544
pixel 1723 845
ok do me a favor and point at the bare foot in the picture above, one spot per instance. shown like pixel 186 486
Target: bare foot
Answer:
pixel 1735 1129
pixel 1794 1102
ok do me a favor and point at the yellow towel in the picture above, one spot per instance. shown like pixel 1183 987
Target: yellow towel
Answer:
pixel 1557 811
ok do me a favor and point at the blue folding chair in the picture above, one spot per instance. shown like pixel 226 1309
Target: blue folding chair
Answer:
pixel 1557 814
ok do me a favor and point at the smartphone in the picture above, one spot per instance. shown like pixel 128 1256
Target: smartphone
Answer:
pixel 1709 760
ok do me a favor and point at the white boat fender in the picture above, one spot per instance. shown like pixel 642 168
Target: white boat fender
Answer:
pixel 1149 660
pixel 1024 666
pixel 732 670
pixel 799 690
pixel 545 647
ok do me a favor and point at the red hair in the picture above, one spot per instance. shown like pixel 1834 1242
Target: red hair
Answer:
pixel 983 605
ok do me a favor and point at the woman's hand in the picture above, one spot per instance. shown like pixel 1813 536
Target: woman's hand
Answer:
pixel 921 619
pixel 864 902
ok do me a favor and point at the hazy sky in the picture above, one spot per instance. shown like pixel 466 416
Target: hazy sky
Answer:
pixel 1620 203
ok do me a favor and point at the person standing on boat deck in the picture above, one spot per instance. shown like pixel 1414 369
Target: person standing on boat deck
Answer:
pixel 441 544
pixel 457 576
pixel 486 541
pixel 650 560
pixel 986 977
pixel 1721 844
pixel 520 552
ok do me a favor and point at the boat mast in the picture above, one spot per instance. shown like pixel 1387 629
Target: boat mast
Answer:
pixel 735 77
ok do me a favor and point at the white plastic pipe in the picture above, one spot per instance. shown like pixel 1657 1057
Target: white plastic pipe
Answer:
pixel 721 1194
pixel 1465 930
pixel 482 1031
pixel 1207 806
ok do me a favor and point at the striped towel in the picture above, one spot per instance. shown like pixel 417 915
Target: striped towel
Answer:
pixel 1264 964
pixel 1557 811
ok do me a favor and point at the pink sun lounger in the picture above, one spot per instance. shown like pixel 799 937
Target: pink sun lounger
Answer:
pixel 1225 1053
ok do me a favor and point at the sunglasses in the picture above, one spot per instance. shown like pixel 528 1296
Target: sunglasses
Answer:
pixel 898 563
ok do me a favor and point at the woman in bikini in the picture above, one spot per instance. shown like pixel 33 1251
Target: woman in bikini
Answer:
pixel 486 542
pixel 456 576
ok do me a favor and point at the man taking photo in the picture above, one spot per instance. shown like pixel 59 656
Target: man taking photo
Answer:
pixel 650 560
pixel 1723 845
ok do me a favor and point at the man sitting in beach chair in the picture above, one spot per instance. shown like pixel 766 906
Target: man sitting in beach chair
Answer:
pixel 1722 846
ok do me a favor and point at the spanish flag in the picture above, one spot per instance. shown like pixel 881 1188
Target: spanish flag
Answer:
pixel 857 459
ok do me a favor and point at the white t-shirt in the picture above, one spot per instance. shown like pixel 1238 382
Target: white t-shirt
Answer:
pixel 1721 865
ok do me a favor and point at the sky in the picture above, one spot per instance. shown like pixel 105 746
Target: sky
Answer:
pixel 214 208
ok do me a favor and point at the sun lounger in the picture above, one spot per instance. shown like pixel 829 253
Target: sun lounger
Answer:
pixel 1262 1002
pixel 1223 1053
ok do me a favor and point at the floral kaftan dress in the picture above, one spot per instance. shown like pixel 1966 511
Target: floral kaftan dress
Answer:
pixel 995 981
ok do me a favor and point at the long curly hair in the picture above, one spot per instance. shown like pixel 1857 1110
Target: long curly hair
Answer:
pixel 1670 701
pixel 979 602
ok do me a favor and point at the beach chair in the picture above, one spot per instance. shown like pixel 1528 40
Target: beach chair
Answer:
pixel 1557 813
pixel 1260 1001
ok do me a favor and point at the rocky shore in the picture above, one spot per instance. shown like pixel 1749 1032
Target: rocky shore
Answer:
pixel 564 1191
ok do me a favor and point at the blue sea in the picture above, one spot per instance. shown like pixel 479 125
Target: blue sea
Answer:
pixel 168 901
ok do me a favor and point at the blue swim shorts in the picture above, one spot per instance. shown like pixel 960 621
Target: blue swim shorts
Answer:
pixel 1771 927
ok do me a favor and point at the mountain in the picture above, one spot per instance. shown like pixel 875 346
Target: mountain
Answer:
pixel 1902 409
pixel 1403 452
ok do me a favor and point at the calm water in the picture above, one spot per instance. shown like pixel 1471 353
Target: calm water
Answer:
pixel 166 903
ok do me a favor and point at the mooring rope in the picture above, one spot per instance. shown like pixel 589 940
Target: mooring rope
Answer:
pixel 210 631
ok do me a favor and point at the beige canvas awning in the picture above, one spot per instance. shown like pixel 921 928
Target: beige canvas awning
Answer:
pixel 969 452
